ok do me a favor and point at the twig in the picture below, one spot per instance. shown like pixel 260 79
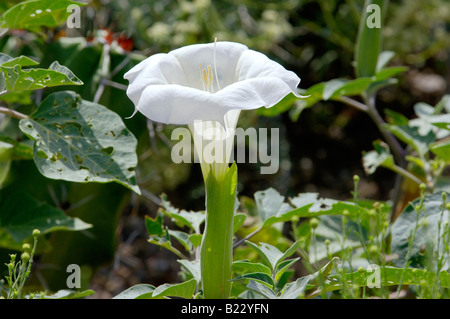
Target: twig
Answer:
pixel 12 113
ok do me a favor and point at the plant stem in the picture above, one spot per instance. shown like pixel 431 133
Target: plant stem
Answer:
pixel 12 113
pixel 217 244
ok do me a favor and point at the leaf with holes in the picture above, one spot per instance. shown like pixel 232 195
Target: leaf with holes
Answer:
pixel 15 79
pixel 34 14
pixel 81 141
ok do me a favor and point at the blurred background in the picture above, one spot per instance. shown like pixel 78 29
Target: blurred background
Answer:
pixel 319 152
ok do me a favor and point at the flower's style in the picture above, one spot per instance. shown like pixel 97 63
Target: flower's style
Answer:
pixel 206 86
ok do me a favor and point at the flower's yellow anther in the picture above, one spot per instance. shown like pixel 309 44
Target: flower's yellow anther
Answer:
pixel 207 76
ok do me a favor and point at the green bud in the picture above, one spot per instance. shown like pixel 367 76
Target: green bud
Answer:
pixel 361 270
pixel 372 213
pixel 345 212
pixel 36 233
pixel 444 196
pixel 313 223
pixel 356 178
pixel 373 250
pixel 422 187
pixel 447 206
pixel 26 247
pixel 327 242
pixel 25 257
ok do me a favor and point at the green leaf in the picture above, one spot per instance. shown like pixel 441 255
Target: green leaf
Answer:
pixel 7 61
pixel 81 141
pixel 295 289
pixel 68 294
pixel 238 221
pixel 271 255
pixel 260 277
pixel 283 266
pixel 270 204
pixel 182 238
pixel 261 289
pixel 34 14
pixel 249 267
pixel 140 291
pixel 20 214
pixel 193 267
pixel 193 220
pixel 387 73
pixel 15 79
pixel 154 225
pixel 183 290
pixel 411 136
pixel 339 87
pixel 196 239
pixel 368 43
pixel 427 230
pixel 441 149
pixel 383 59
pixel 380 156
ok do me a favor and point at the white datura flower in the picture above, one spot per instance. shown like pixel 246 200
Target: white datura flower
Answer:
pixel 206 86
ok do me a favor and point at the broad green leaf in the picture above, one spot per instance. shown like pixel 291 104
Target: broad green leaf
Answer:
pixel 441 149
pixel 260 277
pixel 34 14
pixel 295 289
pixel 141 291
pixel 283 266
pixel 238 221
pixel 193 267
pixel 68 294
pixel 182 238
pixel 380 156
pixel 249 267
pixel 154 225
pixel 368 43
pixel 427 230
pixel 196 239
pixel 411 136
pixel 182 290
pixel 383 59
pixel 387 73
pixel 81 141
pixel 261 289
pixel 270 204
pixel 272 255
pixel 15 79
pixel 337 88
pixel 193 220
pixel 20 214
pixel 7 61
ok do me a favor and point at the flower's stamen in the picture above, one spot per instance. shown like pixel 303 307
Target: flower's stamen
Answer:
pixel 207 76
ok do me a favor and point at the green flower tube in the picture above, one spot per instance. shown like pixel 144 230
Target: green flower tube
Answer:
pixel 217 245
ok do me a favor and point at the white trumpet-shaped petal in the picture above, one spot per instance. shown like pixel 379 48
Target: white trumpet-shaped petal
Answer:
pixel 168 88
pixel 206 86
